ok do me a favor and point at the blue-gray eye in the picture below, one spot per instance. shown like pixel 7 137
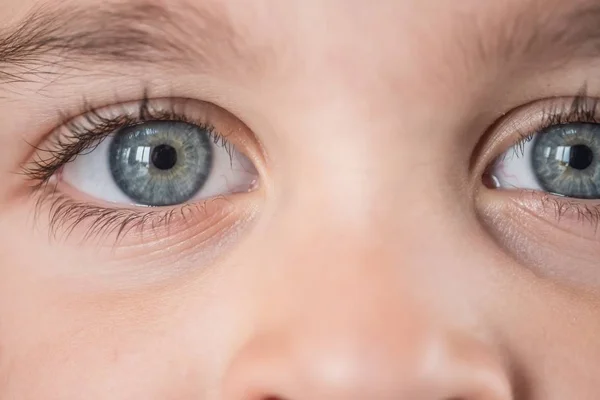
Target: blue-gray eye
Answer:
pixel 161 163
pixel 562 160
pixel 565 160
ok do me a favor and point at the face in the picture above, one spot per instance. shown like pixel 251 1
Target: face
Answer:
pixel 299 200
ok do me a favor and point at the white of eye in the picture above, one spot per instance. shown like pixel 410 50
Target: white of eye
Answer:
pixel 514 169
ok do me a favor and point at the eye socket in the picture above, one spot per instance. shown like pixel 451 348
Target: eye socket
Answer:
pixel 161 163
pixel 155 164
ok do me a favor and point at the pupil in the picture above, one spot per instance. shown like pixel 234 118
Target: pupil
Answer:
pixel 580 157
pixel 164 157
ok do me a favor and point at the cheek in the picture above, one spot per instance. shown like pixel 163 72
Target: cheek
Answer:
pixel 134 345
pixel 553 341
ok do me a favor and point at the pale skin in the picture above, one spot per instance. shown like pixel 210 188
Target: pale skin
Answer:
pixel 367 260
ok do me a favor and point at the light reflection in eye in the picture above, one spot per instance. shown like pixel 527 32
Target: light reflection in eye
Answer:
pixel 142 155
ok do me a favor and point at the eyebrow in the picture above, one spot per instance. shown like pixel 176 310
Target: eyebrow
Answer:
pixel 51 40
pixel 544 32
pixel 127 34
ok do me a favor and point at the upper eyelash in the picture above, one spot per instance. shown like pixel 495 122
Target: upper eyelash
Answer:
pixel 582 109
pixel 63 149
pixel 86 133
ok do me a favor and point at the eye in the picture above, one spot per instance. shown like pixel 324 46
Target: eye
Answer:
pixel 562 160
pixel 153 164
pixel 161 163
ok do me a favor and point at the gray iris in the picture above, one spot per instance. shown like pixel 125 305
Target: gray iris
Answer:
pixel 566 160
pixel 161 163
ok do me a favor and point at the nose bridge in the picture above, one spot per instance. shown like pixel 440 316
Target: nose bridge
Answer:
pixel 350 272
pixel 347 304
pixel 376 185
pixel 344 290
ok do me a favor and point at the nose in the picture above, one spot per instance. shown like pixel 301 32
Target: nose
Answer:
pixel 342 369
pixel 354 340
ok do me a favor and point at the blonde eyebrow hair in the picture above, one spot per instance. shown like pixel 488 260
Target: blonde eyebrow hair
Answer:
pixel 549 32
pixel 124 34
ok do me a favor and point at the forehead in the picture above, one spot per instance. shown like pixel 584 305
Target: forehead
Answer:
pixel 313 38
pixel 356 22
pixel 384 16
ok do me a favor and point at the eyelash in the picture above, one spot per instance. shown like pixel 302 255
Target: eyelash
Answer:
pixel 582 109
pixel 83 135
pixel 67 214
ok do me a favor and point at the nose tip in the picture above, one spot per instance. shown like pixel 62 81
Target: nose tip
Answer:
pixel 344 370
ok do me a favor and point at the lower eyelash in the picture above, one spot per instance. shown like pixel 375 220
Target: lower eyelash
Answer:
pixel 66 215
pixel 563 206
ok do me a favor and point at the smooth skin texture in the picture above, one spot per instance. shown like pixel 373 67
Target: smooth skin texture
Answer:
pixel 371 262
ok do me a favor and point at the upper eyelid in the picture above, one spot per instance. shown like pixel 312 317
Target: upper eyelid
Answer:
pixel 519 124
pixel 142 109
pixel 46 158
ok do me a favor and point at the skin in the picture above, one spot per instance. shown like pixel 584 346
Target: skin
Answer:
pixel 370 263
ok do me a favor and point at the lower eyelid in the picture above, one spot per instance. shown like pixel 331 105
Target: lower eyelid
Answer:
pixel 525 227
pixel 106 226
pixel 580 218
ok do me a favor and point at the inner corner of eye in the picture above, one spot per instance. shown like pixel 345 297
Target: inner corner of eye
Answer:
pixel 490 180
pixel 491 176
